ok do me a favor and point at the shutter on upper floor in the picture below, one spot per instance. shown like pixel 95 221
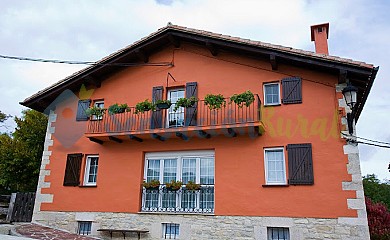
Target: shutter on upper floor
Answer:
pixel 81 107
pixel 300 164
pixel 292 90
pixel 191 112
pixel 156 120
pixel 73 168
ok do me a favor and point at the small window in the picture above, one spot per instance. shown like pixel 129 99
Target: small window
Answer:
pixel 320 29
pixel 171 230
pixel 271 94
pixel 82 106
pixel 91 168
pixel 84 228
pixel 98 104
pixel 278 233
pixel 275 167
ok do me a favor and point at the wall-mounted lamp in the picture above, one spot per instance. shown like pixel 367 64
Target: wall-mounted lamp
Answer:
pixel 350 95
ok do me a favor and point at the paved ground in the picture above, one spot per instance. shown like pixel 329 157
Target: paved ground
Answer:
pixel 35 231
pixel 8 237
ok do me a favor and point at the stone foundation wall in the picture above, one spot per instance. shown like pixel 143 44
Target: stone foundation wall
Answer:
pixel 206 226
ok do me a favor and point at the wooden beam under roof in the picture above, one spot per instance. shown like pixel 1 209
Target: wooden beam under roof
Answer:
pixel 274 63
pixel 142 55
pixel 174 41
pixel 212 48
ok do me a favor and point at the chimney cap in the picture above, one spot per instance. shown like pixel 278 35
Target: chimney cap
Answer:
pixel 326 25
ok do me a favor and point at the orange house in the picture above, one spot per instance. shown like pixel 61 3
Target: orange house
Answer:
pixel 278 162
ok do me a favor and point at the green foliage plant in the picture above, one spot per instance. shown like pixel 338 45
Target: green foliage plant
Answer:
pixel 185 102
pixel 144 106
pixel 192 186
pixel 163 104
pixel 214 101
pixel 118 108
pixel 154 183
pixel 95 111
pixel 246 98
pixel 173 185
pixel 377 191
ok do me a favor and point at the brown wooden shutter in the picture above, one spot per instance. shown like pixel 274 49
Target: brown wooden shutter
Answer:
pixel 191 112
pixel 73 168
pixel 292 90
pixel 156 120
pixel 300 164
pixel 81 107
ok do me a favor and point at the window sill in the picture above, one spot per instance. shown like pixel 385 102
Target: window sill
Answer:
pixel 177 213
pixel 272 105
pixel 275 185
pixel 88 186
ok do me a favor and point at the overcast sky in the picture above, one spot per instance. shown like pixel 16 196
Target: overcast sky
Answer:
pixel 89 30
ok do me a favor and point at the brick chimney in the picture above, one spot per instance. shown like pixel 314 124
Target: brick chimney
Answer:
pixel 319 34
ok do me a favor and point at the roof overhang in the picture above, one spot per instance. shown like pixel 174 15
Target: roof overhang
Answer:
pixel 360 74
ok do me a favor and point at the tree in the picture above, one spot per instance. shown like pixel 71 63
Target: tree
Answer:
pixel 3 116
pixel 21 152
pixel 376 191
pixel 378 220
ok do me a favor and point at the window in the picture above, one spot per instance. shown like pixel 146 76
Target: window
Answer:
pixel 81 107
pixel 91 168
pixel 171 230
pixel 196 166
pixel 271 94
pixel 175 119
pixel 275 169
pixel 98 104
pixel 278 233
pixel 72 170
pixel 84 228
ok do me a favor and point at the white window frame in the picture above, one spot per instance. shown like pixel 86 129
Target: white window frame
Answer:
pixel 179 155
pixel 269 236
pixel 87 170
pixel 87 223
pixel 170 236
pixel 267 84
pixel 267 182
pixel 170 111
pixel 95 104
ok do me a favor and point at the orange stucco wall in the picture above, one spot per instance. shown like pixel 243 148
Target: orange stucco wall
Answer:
pixel 239 162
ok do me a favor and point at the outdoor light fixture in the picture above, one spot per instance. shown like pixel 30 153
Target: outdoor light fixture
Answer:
pixel 350 95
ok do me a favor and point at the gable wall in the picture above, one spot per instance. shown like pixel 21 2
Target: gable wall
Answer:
pixel 239 162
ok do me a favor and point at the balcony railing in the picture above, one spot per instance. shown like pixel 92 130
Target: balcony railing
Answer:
pixel 180 201
pixel 197 116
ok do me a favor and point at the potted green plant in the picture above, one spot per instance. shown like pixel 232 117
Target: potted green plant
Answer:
pixel 214 101
pixel 185 102
pixel 192 186
pixel 246 98
pixel 152 185
pixel 118 108
pixel 144 106
pixel 173 185
pixel 163 104
pixel 95 111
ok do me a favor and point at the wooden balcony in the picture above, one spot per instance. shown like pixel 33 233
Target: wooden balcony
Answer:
pixel 197 121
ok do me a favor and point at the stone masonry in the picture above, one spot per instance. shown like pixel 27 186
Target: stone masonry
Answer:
pixel 207 226
pixel 45 198
pixel 353 168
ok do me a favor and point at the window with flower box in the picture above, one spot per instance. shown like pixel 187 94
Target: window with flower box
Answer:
pixel 195 166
